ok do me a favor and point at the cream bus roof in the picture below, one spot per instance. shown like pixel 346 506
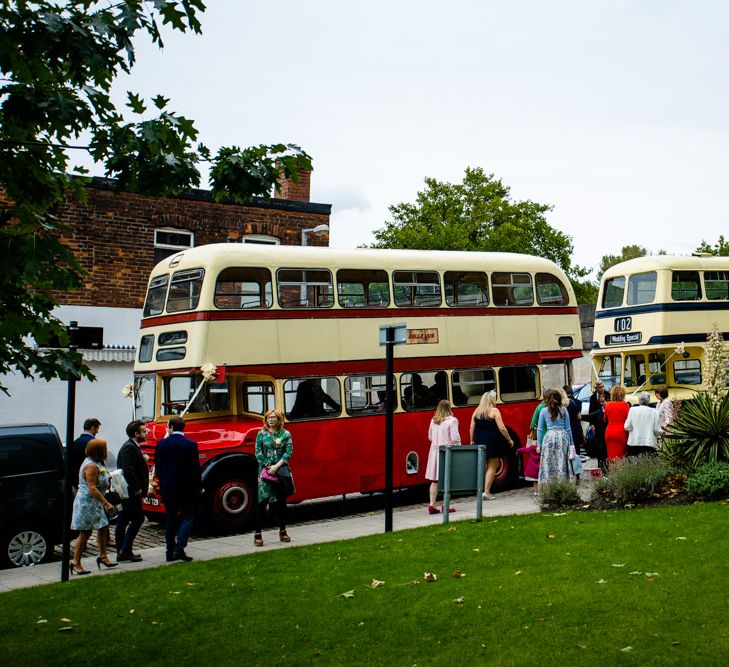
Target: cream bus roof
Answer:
pixel 249 254
pixel 670 262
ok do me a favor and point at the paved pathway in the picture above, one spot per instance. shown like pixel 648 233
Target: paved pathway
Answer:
pixel 518 501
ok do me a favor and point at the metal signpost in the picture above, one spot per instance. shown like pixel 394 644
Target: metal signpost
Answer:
pixel 390 335
pixel 79 337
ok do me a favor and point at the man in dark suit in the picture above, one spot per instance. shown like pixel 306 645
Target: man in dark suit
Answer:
pixel 177 464
pixel 92 426
pixel 133 465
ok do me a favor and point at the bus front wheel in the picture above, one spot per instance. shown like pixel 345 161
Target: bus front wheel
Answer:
pixel 231 499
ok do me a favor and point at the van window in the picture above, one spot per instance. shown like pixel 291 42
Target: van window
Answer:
pixel 21 455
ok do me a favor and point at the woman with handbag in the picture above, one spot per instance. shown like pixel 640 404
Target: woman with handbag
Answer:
pixel 89 506
pixel 273 451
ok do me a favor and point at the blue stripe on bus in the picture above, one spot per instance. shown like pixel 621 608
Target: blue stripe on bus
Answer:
pixel 662 308
pixel 672 339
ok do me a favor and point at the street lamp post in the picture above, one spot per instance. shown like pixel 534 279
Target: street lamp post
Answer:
pixel 313 230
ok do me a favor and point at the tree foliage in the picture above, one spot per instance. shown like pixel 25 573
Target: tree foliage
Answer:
pixel 58 61
pixel 720 248
pixel 476 214
pixel 627 252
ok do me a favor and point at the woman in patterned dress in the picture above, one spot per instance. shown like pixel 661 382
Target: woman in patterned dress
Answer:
pixel 443 430
pixel 89 506
pixel 554 439
pixel 273 450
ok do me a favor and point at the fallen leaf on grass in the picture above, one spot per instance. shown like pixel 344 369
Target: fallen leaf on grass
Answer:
pixel 477 550
pixel 41 620
pixel 651 574
pixel 65 620
pixel 348 594
pixel 459 600
pixel 602 581
pixel 682 538
pixel 174 592
pixel 66 628
pixel 414 582
pixel 618 565
pixel 518 572
pixel 458 574
pixel 376 583
pixel 483 645
pixel 559 513
pixel 625 649
pixel 551 536
pixel 581 646
pixel 675 643
pixel 191 583
pixel 452 529
pixel 635 572
pixel 430 576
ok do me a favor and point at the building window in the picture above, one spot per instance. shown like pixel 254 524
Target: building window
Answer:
pixel 261 239
pixel 169 241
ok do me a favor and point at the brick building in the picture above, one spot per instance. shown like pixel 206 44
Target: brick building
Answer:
pixel 118 238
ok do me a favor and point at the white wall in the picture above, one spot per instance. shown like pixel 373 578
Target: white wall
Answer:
pixel 41 401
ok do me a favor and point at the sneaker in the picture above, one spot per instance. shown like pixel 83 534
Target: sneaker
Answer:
pixel 433 510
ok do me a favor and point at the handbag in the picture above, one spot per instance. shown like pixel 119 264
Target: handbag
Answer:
pixel 268 477
pixel 118 484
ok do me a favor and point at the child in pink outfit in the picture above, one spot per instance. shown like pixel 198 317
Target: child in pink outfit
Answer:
pixel 531 468
pixel 443 431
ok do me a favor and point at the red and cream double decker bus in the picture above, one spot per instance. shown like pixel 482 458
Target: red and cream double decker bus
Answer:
pixel 298 329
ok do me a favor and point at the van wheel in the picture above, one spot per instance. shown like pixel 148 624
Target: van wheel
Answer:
pixel 231 499
pixel 24 545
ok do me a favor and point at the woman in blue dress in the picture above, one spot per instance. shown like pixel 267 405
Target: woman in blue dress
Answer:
pixel 554 438
pixel 89 506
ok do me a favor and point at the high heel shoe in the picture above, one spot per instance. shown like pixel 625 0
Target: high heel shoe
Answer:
pixel 105 563
pixel 283 536
pixel 72 569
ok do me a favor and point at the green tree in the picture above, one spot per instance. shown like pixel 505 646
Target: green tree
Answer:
pixel 627 252
pixel 58 61
pixel 477 214
pixel 720 248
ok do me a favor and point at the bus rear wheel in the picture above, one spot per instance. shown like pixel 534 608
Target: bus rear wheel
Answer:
pixel 231 499
pixel 507 474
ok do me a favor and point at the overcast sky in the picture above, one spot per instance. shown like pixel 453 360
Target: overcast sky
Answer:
pixel 614 112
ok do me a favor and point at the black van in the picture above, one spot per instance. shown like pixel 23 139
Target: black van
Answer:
pixel 32 471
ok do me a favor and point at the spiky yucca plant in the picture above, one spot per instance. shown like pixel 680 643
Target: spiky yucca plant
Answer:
pixel 700 433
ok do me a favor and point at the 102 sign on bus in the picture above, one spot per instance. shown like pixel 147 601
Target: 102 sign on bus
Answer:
pixel 296 329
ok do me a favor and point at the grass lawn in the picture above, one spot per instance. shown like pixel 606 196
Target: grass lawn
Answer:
pixel 639 587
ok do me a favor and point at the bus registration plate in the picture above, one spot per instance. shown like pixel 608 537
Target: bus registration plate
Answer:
pixel 150 501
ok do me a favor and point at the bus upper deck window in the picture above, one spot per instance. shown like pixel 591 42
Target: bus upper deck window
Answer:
pixel 154 304
pixel 717 285
pixel 363 288
pixel 512 289
pixel 612 293
pixel 550 290
pixel 243 287
pixel 185 288
pixel 466 289
pixel 641 288
pixel 305 288
pixel 416 288
pixel 685 286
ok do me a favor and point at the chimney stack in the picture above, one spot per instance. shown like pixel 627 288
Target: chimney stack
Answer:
pixel 296 191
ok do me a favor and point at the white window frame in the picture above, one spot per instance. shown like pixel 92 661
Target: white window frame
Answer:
pixel 261 239
pixel 173 246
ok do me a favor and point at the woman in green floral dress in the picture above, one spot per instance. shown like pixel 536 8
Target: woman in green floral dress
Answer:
pixel 273 450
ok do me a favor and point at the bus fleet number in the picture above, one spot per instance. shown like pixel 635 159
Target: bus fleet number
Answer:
pixel 623 323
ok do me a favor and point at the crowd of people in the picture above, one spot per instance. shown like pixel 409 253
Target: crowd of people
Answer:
pixel 553 448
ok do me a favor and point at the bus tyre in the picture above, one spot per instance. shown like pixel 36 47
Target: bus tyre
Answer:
pixel 25 545
pixel 231 499
pixel 507 474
